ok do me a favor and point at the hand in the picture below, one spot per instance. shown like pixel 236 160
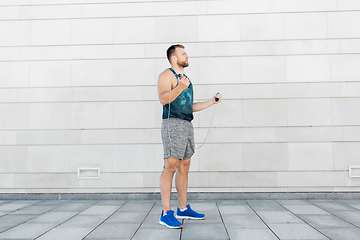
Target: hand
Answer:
pixel 217 97
pixel 184 83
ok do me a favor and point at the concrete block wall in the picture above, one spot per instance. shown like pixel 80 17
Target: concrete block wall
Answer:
pixel 78 90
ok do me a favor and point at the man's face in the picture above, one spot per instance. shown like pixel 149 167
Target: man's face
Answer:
pixel 182 57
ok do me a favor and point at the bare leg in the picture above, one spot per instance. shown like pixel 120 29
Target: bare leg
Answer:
pixel 181 180
pixel 166 178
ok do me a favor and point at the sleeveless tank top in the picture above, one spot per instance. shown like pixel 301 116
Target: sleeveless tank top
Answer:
pixel 182 106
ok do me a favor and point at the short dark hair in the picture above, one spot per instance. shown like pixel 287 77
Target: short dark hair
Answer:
pixel 171 50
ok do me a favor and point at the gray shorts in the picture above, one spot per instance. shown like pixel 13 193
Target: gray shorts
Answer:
pixel 180 142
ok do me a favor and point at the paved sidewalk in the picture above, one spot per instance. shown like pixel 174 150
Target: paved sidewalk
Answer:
pixel 250 219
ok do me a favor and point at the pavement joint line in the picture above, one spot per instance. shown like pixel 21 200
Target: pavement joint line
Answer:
pixel 263 220
pixel 222 220
pixel 181 230
pixel 304 220
pixel 62 222
pixel 338 216
pixel 104 219
pixel 349 206
pixel 143 221
pixel 28 214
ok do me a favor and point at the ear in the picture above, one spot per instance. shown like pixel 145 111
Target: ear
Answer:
pixel 173 58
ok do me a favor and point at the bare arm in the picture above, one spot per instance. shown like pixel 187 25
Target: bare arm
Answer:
pixel 202 105
pixel 166 87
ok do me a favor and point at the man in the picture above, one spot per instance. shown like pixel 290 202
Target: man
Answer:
pixel 178 134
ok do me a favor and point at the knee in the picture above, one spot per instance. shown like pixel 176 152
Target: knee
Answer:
pixel 184 165
pixel 170 170
pixel 170 165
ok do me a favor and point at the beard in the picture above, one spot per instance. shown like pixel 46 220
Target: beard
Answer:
pixel 183 64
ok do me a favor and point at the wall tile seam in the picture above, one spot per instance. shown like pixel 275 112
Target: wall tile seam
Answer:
pixel 189 42
pixel 338 126
pixel 152 101
pixel 214 143
pixel 114 1
pixel 190 172
pixel 200 14
pixel 159 143
pixel 275 84
pixel 194 57
pixel 101 3
pixel 139 189
pixel 199 99
pixel 195 127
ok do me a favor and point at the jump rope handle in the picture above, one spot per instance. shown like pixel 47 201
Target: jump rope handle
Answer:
pixel 181 76
pixel 217 99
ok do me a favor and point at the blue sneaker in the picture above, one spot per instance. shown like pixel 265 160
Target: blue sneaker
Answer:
pixel 169 220
pixel 189 214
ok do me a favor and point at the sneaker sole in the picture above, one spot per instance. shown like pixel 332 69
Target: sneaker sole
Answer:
pixel 190 218
pixel 164 224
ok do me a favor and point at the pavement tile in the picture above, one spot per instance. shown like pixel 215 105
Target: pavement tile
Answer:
pixel 231 202
pixel 3 213
pixel 152 221
pixel 118 203
pixel 266 205
pixel 84 221
pixel 30 230
pixel 14 220
pixel 51 203
pixel 350 201
pixel 243 221
pixel 212 231
pixel 292 202
pixel 305 209
pixel 28 202
pixel 33 210
pixel 356 206
pixel 251 234
pixel 73 207
pixel 203 207
pixel 278 217
pixel 16 238
pixel 325 221
pixel 100 210
pixel 163 233
pixel 14 206
pixel 341 233
pixel 114 230
pixel 129 217
pixel 137 206
pixel 210 217
pixel 3 202
pixel 349 216
pixel 295 231
pixel 235 209
pixel 66 233
pixel 53 217
pixel 330 206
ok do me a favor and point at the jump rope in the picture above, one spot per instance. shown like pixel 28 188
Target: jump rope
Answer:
pixel 168 123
